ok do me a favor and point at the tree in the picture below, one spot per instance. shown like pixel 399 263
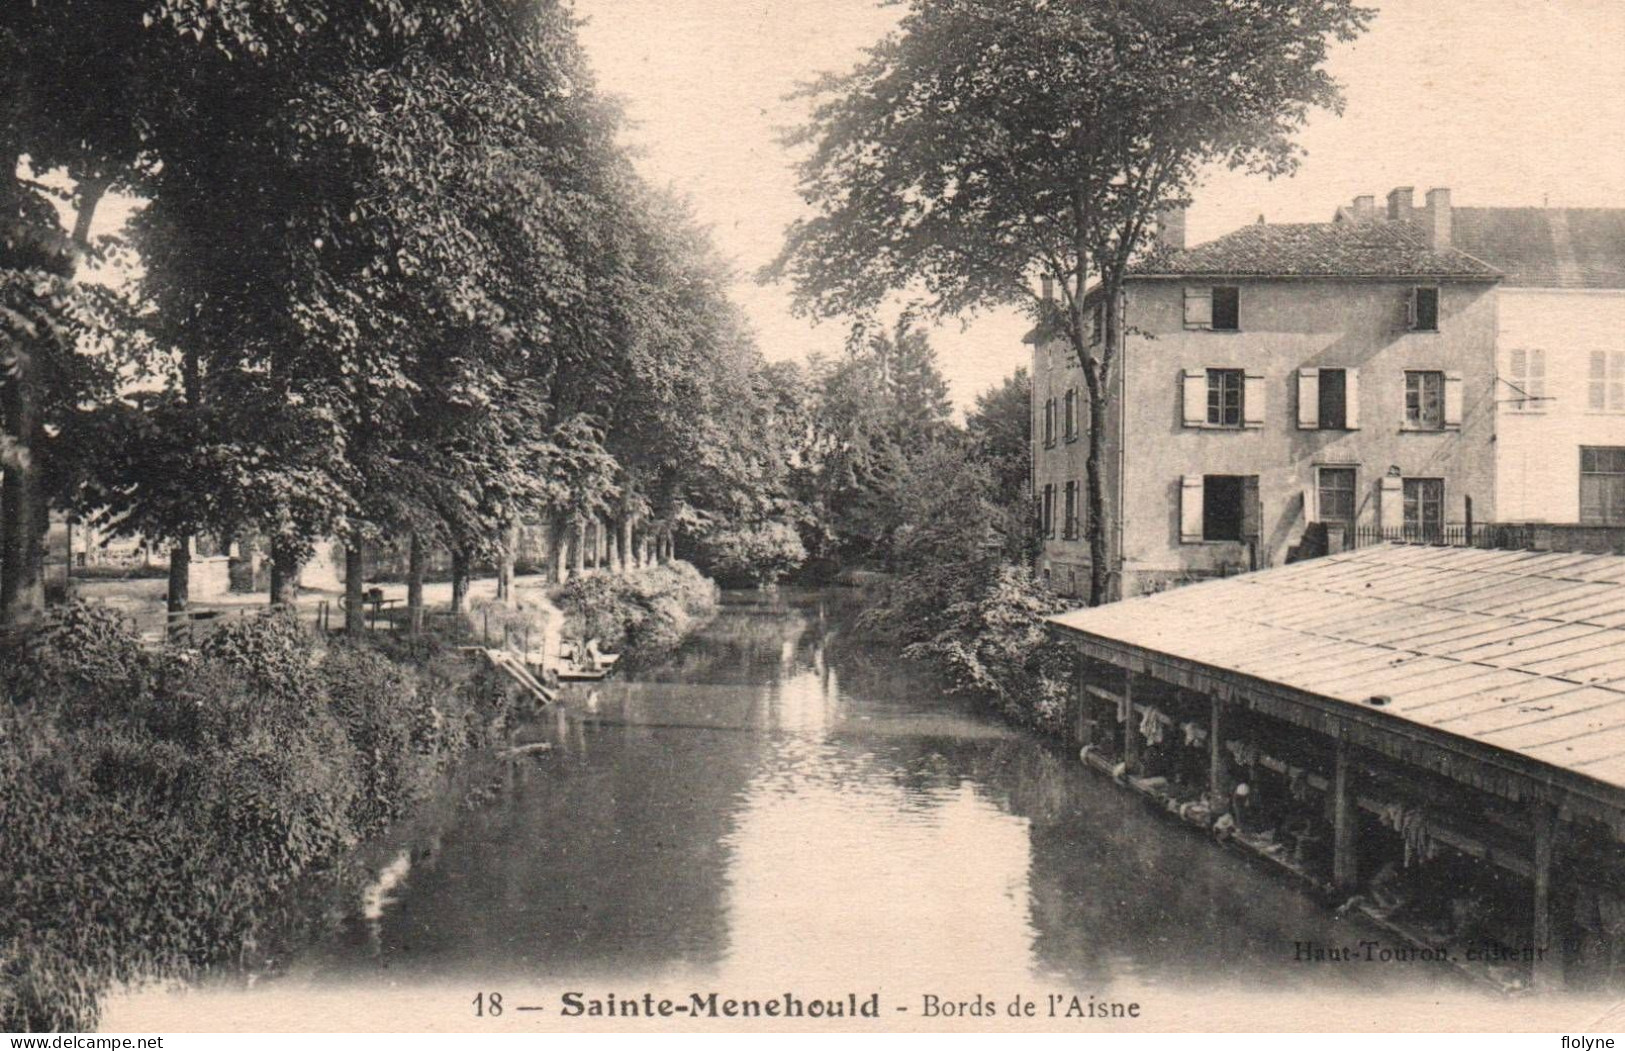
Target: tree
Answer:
pixel 990 142
pixel 1000 428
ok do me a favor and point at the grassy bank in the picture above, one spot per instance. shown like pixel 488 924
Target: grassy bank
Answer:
pixel 159 806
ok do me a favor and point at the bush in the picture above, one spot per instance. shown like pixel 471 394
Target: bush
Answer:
pixel 158 807
pixel 981 626
pixel 753 555
pixel 643 613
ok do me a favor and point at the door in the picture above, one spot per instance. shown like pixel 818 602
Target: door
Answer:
pixel 1336 501
pixel 1424 510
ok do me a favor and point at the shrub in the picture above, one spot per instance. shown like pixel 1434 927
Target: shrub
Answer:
pixel 158 807
pixel 644 613
pixel 755 554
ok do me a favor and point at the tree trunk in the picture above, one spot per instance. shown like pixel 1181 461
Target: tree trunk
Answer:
pixel 459 580
pixel 354 602
pixel 1097 380
pixel 510 546
pixel 558 551
pixel 180 575
pixel 24 513
pixel 414 583
pixel 578 548
pixel 623 544
pixel 284 575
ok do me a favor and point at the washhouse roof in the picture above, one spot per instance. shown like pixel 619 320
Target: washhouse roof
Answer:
pixel 1505 668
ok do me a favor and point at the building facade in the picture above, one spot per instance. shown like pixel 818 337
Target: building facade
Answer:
pixel 1336 375
pixel 1560 432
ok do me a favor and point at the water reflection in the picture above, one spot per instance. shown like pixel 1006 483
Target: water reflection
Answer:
pixel 782 802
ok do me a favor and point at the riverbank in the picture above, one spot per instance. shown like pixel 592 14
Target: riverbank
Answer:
pixel 165 804
pixel 160 805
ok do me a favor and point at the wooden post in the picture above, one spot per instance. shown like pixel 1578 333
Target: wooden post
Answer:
pixel 1215 755
pixel 1548 945
pixel 1345 860
pixel 1131 732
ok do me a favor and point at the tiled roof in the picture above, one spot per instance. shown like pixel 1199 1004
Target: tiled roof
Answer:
pixel 1345 249
pixel 1546 247
pixel 1520 653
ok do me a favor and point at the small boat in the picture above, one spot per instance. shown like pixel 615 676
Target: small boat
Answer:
pixel 584 663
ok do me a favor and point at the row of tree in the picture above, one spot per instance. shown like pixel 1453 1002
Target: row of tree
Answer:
pixel 393 277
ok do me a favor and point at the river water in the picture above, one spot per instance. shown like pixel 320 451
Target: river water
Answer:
pixel 781 806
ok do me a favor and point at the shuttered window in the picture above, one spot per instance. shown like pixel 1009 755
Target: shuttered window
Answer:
pixel 1218 507
pixel 1217 308
pixel 1526 373
pixel 1072 415
pixel 1071 520
pixel 1424 309
pixel 1424 401
pixel 1606 386
pixel 1224 394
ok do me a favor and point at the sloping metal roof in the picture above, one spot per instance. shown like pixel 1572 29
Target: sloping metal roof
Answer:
pixel 1546 247
pixel 1521 653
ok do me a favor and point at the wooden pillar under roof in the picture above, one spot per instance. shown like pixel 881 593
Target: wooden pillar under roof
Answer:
pixel 1345 854
pixel 1131 732
pixel 1215 754
pixel 1548 945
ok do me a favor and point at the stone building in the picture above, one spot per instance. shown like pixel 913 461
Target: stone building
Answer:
pixel 1336 375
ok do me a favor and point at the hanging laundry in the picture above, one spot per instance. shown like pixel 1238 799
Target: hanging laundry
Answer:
pixel 1151 726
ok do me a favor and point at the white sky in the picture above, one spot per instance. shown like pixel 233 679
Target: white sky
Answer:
pixel 1507 102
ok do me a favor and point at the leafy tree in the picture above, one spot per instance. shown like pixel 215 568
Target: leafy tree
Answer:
pixel 1000 428
pixel 988 142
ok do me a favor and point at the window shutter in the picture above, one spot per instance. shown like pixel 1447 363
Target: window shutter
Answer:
pixel 1311 502
pixel 1252 400
pixel 1452 399
pixel 1351 399
pixel 1195 397
pixel 1198 308
pixel 1252 511
pixel 1308 399
pixel 1190 509
pixel 1410 309
pixel 1391 506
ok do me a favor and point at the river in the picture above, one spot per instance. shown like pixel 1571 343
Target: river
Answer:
pixel 781 806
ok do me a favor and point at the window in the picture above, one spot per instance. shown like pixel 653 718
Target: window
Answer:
pixel 1424 509
pixel 1048 523
pixel 1602 485
pixel 1097 323
pixel 1333 400
pixel 1072 415
pixel 1526 372
pixel 1224 506
pixel 1224 392
pixel 1226 309
pixel 1335 497
pixel 1424 401
pixel 1607 386
pixel 1425 309
pixel 1217 308
pixel 1071 520
pixel 1049 423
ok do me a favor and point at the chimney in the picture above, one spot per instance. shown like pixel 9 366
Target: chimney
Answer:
pixel 1437 218
pixel 1399 204
pixel 1171 229
pixel 1365 208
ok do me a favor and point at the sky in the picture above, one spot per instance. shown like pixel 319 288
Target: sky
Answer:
pixel 1506 102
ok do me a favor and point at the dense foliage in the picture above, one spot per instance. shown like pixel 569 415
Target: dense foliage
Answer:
pixel 158 805
pixel 642 615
